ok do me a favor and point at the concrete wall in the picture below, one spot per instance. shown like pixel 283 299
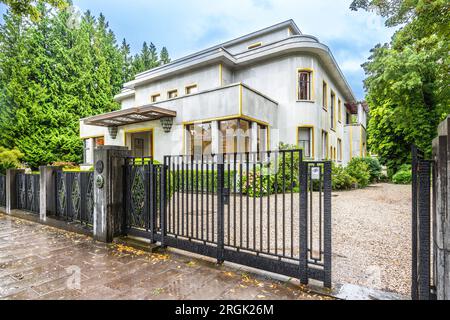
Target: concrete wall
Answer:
pixel 264 39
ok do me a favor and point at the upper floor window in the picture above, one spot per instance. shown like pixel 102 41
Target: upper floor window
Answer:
pixel 191 89
pixel 305 141
pixel 339 110
pixel 325 95
pixel 332 110
pixel 156 97
pixel 304 85
pixel 172 94
pixel 254 45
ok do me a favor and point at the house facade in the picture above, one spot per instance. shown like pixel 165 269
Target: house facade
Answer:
pixel 248 94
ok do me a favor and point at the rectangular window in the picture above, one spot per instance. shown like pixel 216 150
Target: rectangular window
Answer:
pixel 86 150
pixel 156 97
pixel 339 110
pixel 325 95
pixel 332 110
pixel 262 138
pixel 324 145
pixel 99 141
pixel 339 149
pixel 304 85
pixel 348 118
pixel 191 89
pixel 172 94
pixel 255 45
pixel 305 141
pixel 234 136
pixel 198 138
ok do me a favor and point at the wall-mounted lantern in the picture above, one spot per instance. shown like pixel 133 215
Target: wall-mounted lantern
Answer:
pixel 112 132
pixel 166 123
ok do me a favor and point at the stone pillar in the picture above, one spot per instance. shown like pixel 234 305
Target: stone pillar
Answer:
pixel 215 137
pixel 11 189
pixel 47 200
pixel 108 191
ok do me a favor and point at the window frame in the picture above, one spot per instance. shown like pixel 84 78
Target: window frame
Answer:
pixel 247 138
pixel 169 92
pixel 254 45
pixel 339 110
pixel 325 95
pixel 311 142
pixel 326 156
pixel 311 84
pixel 190 86
pixel 153 96
pixel 190 146
pixel 339 148
pixel 332 110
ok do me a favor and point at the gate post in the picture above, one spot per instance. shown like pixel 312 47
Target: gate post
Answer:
pixel 108 191
pixel 47 203
pixel 163 190
pixel 304 222
pixel 424 168
pixel 11 189
pixel 220 210
pixel 327 186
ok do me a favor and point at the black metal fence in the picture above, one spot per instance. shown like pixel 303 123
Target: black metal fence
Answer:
pixel 2 190
pixel 28 195
pixel 266 210
pixel 75 197
pixel 422 280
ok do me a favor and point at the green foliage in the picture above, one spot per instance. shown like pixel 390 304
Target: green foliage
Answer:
pixel 341 178
pixel 9 159
pixel 408 88
pixel 29 7
pixel 374 168
pixel 403 175
pixel 54 71
pixel 358 169
pixel 65 165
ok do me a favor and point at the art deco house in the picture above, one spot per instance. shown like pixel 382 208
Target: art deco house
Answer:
pixel 248 94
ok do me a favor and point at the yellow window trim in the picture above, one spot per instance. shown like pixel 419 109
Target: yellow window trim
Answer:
pixel 154 96
pixel 138 131
pixel 254 45
pixel 325 95
pixel 172 91
pixel 312 138
pixel 220 74
pixel 328 143
pixel 340 149
pixel 190 86
pixel 93 137
pixel 339 110
pixel 312 83
pixel 333 101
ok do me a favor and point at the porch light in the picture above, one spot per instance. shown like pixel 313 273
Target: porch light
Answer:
pixel 112 132
pixel 166 123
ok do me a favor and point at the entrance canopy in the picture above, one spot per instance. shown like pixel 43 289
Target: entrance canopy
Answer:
pixel 129 116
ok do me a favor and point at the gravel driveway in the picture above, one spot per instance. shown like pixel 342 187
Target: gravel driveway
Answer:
pixel 371 231
pixel 372 237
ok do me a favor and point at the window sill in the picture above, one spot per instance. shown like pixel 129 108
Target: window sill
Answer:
pixel 326 109
pixel 333 129
pixel 307 101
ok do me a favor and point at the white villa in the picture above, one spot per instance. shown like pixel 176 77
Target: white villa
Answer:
pixel 248 94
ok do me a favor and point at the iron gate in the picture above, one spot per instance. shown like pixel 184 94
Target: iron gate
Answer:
pixel 422 279
pixel 2 190
pixel 28 187
pixel 75 196
pixel 268 210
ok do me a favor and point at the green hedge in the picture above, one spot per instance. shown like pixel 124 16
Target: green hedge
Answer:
pixel 403 175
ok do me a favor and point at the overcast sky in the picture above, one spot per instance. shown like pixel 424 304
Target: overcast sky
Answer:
pixel 188 26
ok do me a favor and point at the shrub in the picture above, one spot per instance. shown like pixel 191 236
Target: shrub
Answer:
pixel 358 169
pixel 9 159
pixel 374 168
pixel 403 175
pixel 65 165
pixel 341 179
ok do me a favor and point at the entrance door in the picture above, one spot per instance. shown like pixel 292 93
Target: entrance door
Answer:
pixel 138 147
pixel 140 143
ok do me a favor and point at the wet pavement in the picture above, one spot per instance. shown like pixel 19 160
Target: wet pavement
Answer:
pixel 41 262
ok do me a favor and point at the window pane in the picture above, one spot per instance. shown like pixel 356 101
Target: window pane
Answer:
pixel 262 138
pixel 228 132
pixel 304 85
pixel 304 141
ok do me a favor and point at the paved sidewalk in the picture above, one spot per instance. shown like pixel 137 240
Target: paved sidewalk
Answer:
pixel 40 262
